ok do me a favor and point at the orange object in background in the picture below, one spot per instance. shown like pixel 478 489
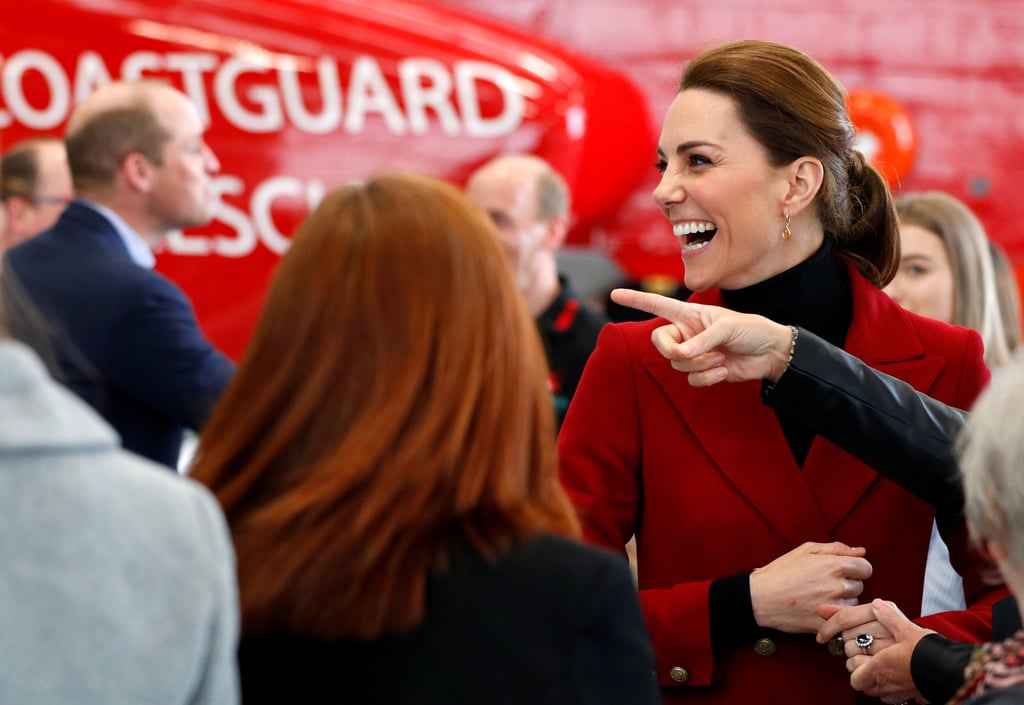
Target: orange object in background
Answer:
pixel 885 133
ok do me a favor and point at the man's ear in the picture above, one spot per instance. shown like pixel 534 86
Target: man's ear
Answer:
pixel 805 176
pixel 18 208
pixel 557 229
pixel 137 171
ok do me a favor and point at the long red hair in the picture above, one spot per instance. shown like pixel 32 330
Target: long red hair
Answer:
pixel 394 394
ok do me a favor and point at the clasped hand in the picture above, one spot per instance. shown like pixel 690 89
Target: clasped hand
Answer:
pixel 787 593
pixel 883 670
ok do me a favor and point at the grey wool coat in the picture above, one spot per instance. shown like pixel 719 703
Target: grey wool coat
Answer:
pixel 117 581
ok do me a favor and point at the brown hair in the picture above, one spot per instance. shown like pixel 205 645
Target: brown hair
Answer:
pixel 19 168
pixel 393 396
pixel 794 107
pixel 99 144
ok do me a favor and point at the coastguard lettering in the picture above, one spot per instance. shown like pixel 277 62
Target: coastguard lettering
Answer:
pixel 270 94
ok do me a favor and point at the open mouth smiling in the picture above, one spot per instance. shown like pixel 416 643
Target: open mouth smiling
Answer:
pixel 695 235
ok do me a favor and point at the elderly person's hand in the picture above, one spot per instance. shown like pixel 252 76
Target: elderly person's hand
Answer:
pixel 711 343
pixel 881 669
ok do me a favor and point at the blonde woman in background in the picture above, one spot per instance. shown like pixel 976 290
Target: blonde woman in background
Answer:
pixel 948 272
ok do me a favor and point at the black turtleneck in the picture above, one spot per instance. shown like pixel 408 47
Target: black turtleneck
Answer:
pixel 814 295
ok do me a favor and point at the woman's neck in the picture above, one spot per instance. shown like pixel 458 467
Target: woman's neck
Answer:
pixel 814 294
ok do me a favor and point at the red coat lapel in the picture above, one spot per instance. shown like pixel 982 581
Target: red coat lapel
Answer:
pixel 738 434
pixel 817 497
pixel 881 335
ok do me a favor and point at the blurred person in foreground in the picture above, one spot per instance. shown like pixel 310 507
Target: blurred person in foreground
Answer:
pixel 35 187
pixel 119 334
pixel 529 203
pixel 991 456
pixel 118 584
pixel 385 458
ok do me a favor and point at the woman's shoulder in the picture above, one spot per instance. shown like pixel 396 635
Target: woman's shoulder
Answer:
pixel 876 313
pixel 946 338
pixel 545 547
pixel 633 329
pixel 544 564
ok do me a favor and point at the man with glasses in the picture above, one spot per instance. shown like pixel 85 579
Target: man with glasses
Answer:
pixel 35 187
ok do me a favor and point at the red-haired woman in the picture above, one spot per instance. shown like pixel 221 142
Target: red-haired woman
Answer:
pixel 385 458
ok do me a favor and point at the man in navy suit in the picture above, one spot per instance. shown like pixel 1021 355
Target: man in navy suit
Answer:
pixel 119 334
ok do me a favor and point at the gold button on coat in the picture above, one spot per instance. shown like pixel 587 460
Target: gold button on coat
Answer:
pixel 679 674
pixel 835 646
pixel 765 647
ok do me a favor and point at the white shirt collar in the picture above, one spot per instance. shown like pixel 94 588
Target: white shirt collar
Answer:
pixel 138 250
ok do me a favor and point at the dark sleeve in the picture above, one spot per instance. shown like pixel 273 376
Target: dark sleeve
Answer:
pixel 906 436
pixel 613 660
pixel 1005 618
pixel 731 612
pixel 161 358
pixel 937 666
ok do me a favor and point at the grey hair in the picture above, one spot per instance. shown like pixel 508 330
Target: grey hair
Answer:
pixel 991 450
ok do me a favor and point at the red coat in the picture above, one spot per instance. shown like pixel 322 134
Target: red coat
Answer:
pixel 707 480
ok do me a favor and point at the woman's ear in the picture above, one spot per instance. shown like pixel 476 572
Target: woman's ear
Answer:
pixel 805 177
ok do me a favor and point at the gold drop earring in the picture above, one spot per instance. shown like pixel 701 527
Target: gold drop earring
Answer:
pixel 786 233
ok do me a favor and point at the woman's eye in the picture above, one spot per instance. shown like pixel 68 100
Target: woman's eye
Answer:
pixel 916 270
pixel 699 160
pixel 661 165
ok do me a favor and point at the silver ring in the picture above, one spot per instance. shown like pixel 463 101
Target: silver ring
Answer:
pixel 864 642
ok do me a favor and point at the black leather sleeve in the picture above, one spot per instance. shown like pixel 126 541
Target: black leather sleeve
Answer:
pixel 907 436
pixel 937 666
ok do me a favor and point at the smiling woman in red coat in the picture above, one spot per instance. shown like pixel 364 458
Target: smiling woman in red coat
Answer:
pixel 746 523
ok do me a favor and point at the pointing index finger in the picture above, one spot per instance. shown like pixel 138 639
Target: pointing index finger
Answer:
pixel 656 304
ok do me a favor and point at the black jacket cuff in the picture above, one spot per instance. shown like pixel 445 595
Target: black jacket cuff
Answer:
pixel 731 611
pixel 937 666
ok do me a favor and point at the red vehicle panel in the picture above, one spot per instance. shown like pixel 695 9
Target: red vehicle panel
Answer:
pixel 303 95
